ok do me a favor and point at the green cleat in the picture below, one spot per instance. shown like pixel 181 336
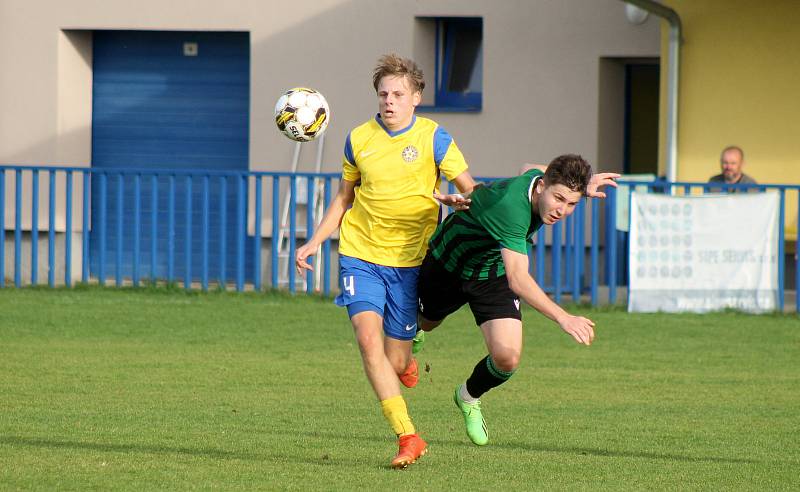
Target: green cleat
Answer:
pixel 476 426
pixel 418 341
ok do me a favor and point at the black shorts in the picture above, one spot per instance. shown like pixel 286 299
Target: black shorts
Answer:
pixel 442 293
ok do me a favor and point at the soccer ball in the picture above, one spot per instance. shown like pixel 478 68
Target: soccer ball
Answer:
pixel 302 114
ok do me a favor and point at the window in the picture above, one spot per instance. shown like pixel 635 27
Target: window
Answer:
pixel 458 64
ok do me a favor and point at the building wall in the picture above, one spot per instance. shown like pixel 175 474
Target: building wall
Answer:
pixel 541 70
pixel 738 86
pixel 542 90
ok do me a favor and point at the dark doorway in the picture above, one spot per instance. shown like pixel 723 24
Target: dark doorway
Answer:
pixel 641 118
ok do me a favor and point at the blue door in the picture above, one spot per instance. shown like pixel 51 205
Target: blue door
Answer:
pixel 169 101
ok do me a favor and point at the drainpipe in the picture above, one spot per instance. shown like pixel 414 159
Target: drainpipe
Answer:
pixel 672 78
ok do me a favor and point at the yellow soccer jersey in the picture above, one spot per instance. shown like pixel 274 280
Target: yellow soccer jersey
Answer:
pixel 394 213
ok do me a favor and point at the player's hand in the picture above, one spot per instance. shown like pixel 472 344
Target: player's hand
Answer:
pixel 300 256
pixel 581 329
pixel 599 180
pixel 455 200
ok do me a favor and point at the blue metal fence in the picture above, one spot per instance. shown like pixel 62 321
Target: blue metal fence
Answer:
pixel 583 256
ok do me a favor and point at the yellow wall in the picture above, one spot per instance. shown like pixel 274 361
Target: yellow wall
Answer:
pixel 739 85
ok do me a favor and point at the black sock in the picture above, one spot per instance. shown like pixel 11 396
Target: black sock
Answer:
pixel 486 376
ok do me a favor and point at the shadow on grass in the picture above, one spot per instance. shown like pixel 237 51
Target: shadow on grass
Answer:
pixel 126 448
pixel 574 450
pixel 625 454
pixel 323 460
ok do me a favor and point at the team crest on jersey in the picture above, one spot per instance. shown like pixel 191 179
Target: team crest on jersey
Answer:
pixel 410 154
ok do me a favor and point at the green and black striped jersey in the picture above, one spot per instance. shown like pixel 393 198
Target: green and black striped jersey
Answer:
pixel 468 242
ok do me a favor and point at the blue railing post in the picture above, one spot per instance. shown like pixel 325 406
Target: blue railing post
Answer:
pixel 223 232
pixel 627 236
pixel 241 210
pixel 611 244
pixel 18 227
pixel 531 261
pixel 137 224
pixel 35 227
pixel 67 232
pixel 326 246
pixel 541 252
pixel 557 261
pixel 51 230
pixel 257 236
pixel 187 246
pixel 171 230
pixel 580 261
pixel 781 254
pixel 578 254
pixel 309 228
pixel 154 228
pixel 86 208
pixel 101 269
pixel 594 251
pixel 120 234
pixel 569 242
pixel 276 226
pixel 292 230
pixel 205 233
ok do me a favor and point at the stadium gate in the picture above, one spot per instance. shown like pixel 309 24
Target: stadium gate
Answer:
pixel 167 101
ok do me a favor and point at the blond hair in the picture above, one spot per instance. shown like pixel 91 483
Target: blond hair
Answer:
pixel 397 66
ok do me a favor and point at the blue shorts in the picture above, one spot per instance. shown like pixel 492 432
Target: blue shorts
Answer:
pixel 388 291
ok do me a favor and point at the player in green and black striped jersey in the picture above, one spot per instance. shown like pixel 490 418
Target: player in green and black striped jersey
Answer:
pixel 479 256
pixel 468 243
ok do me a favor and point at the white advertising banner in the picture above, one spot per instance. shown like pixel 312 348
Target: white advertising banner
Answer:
pixel 703 253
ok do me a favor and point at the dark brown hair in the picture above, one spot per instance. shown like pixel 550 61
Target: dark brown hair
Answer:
pixel 570 170
pixel 397 66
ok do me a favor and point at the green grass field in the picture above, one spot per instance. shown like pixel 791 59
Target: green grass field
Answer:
pixel 159 389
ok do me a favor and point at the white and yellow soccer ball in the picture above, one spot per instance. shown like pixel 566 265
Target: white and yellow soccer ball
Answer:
pixel 302 114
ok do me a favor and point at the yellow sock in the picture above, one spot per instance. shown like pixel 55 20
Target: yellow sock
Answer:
pixel 395 411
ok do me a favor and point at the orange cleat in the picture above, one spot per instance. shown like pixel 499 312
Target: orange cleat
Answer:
pixel 412 447
pixel 411 376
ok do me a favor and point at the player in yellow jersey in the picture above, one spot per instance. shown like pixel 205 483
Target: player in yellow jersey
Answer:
pixel 391 171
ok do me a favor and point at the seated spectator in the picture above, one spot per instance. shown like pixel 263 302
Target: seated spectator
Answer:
pixel 731 161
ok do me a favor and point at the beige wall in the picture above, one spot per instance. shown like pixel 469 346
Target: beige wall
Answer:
pixel 541 66
pixel 739 71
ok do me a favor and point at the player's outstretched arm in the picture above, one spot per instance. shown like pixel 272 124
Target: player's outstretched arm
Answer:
pixel 330 221
pixel 520 281
pixel 458 201
pixel 598 181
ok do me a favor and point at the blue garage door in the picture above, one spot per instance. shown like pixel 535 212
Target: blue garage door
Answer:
pixel 174 101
